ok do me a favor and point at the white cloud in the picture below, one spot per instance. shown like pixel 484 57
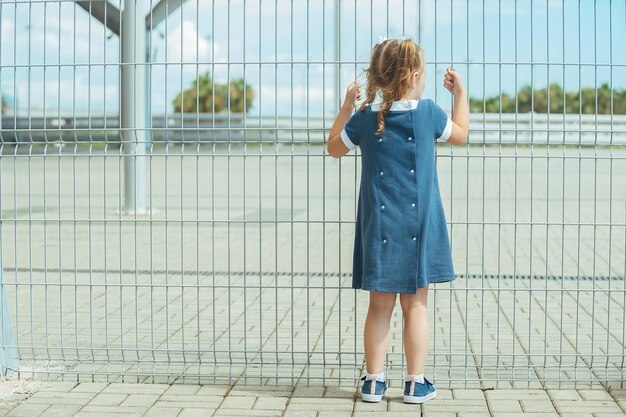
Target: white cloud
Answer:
pixel 7 28
pixel 7 41
pixel 184 44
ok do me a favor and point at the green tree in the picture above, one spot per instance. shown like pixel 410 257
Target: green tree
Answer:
pixel 207 96
pixel 587 100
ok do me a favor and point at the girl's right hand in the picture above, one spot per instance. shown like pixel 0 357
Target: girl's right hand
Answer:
pixel 353 94
pixel 453 82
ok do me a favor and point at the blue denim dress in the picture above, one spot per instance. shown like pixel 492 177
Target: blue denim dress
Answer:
pixel 401 239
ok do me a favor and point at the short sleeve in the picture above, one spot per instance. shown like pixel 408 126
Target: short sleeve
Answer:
pixel 443 123
pixel 350 132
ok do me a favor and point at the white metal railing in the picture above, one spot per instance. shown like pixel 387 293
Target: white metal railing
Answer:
pixel 504 128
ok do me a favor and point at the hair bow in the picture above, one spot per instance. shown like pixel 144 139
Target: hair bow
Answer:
pixel 381 39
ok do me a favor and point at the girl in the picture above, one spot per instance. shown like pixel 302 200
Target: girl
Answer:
pixel 401 241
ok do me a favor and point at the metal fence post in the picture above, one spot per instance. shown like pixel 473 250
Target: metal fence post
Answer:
pixel 8 352
pixel 133 105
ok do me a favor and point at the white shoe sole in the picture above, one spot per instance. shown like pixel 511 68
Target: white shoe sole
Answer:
pixel 419 400
pixel 372 398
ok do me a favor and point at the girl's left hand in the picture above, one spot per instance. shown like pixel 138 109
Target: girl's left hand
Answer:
pixel 453 82
pixel 353 94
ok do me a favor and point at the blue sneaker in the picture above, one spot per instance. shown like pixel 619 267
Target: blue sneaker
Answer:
pixel 416 393
pixel 372 393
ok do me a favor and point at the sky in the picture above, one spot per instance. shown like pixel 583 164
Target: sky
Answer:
pixel 287 50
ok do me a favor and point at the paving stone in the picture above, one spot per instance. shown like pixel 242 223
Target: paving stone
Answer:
pixel 107 399
pixel 586 406
pixel 392 414
pixel 338 404
pixel 601 414
pixel 119 388
pixel 572 414
pixel 618 393
pixel 46 397
pixel 537 406
pixel 251 391
pixel 399 406
pixel 270 403
pixel 507 414
pixel 28 410
pixel 326 413
pixel 96 409
pixel 339 392
pixel 453 406
pixel 92 413
pixel 245 403
pixel 141 400
pixel 191 398
pixel 213 390
pixel 469 414
pixel 58 410
pixel 370 407
pixel 242 413
pixel 16 397
pixel 564 394
pixel 505 406
pixel 184 389
pixel 187 404
pixel 308 392
pixel 60 386
pixel 194 412
pixel 168 412
pixel 416 413
pixel 464 394
pixel 442 394
pixel 300 413
pixel 517 394
pixel 89 387
pixel 595 394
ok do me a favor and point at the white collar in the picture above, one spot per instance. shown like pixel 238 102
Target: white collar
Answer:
pixel 399 105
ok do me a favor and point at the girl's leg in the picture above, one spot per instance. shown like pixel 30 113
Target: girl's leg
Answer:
pixel 376 332
pixel 415 332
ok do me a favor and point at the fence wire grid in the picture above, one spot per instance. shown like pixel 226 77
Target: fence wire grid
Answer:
pixel 169 212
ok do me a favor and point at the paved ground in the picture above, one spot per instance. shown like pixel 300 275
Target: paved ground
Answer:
pixel 241 269
pixel 190 400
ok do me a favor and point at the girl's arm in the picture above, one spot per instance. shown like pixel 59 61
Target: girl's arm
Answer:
pixel 336 147
pixel 460 116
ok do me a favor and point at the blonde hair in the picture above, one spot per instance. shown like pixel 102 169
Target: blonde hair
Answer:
pixel 392 63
